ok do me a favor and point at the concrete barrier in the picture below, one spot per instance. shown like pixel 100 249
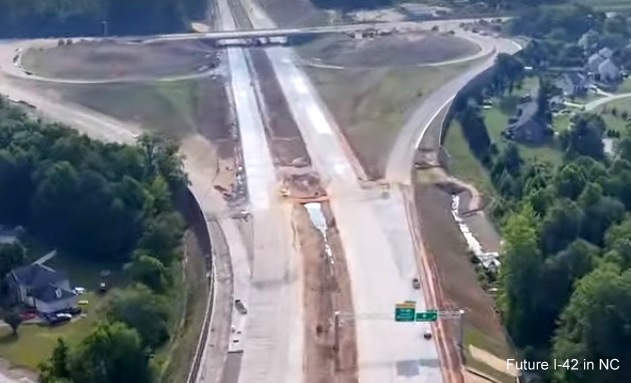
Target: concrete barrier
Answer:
pixel 198 221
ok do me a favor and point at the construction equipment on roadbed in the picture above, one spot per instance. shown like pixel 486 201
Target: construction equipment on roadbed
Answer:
pixel 303 188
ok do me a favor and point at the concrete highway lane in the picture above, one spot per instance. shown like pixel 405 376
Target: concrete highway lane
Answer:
pixel 375 236
pixel 273 328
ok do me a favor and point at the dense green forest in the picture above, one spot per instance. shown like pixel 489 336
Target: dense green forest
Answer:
pixel 566 262
pixel 104 202
pixel 565 37
pixel 50 18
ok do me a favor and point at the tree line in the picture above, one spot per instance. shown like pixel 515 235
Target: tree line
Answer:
pixel 107 202
pixel 566 37
pixel 506 75
pixel 566 258
pixel 50 18
pixel 565 261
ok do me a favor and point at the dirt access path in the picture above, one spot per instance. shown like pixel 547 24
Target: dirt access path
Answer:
pixel 327 289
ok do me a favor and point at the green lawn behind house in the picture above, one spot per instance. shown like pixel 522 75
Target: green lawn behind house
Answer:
pixel 465 166
pixel 497 120
pixel 35 342
pixel 608 5
pixel 615 120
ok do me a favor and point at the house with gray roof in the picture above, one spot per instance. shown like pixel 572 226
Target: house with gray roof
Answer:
pixel 594 61
pixel 572 84
pixel 609 71
pixel 40 287
pixel 526 126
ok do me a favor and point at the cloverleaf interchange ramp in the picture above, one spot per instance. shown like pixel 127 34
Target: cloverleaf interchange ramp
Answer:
pixel 381 268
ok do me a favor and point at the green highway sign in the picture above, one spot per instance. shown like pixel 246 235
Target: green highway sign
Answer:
pixel 427 316
pixel 404 312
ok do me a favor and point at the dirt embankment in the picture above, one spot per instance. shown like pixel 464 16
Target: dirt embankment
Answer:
pixel 459 286
pixel 287 144
pixel 110 59
pixel 299 179
pixel 398 50
pixel 327 289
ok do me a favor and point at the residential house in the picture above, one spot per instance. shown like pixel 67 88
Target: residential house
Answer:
pixel 595 60
pixel 608 71
pixel 572 84
pixel 40 287
pixel 525 126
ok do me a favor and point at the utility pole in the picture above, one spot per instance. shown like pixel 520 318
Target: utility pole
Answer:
pixel 336 339
pixel 461 333
pixel 104 22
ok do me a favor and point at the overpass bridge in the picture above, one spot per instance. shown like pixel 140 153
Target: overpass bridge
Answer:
pixel 278 32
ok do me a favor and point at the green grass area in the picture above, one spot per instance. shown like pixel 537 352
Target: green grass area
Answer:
pixel 168 107
pixel 616 122
pixel 35 342
pixel 607 5
pixel 474 337
pixel 497 120
pixel 371 105
pixel 625 87
pixel 462 163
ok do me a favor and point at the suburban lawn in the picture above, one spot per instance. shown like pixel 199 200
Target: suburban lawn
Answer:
pixel 608 5
pixel 462 163
pixel 625 87
pixel 616 122
pixel 497 120
pixel 35 342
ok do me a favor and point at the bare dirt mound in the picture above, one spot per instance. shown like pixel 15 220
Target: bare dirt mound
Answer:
pixel 394 50
pixel 110 59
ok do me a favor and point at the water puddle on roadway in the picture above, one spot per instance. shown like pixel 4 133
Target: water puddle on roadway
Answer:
pixel 317 218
